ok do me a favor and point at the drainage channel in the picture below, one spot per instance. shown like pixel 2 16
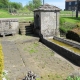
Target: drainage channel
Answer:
pixel 69 52
pixel 64 45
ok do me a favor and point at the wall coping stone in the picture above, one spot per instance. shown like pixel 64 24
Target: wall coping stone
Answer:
pixel 47 7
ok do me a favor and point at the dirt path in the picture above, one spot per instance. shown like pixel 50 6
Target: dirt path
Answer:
pixel 20 56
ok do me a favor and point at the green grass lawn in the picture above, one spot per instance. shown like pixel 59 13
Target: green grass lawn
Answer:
pixel 22 18
pixel 65 12
pixel 71 19
pixel 4 14
pixel 25 18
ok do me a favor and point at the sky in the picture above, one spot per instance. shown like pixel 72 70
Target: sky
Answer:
pixel 58 3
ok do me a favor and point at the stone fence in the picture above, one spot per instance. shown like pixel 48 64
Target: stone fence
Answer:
pixel 9 26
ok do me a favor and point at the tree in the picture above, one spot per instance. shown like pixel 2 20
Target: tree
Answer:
pixel 36 3
pixel 16 5
pixel 77 8
pixel 4 2
pixel 30 7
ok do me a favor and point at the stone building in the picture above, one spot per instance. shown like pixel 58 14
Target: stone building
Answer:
pixel 46 20
pixel 72 5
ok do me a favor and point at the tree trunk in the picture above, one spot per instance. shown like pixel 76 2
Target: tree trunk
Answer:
pixel 77 9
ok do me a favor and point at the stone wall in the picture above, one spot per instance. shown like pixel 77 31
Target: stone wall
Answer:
pixel 72 57
pixel 8 26
pixel 49 23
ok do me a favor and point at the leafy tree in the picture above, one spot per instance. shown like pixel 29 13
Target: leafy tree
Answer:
pixel 30 6
pixel 4 2
pixel 16 5
pixel 36 3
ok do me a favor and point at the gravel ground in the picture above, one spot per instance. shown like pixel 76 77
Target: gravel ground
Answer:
pixel 26 53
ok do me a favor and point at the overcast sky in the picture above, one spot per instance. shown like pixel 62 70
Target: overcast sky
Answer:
pixel 58 3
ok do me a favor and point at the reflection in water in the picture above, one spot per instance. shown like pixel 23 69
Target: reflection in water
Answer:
pixel 73 49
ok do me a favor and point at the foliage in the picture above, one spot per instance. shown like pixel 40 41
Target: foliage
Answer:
pixel 65 12
pixel 62 21
pixel 68 23
pixel 34 4
pixel 16 5
pixel 30 6
pixel 78 24
pixel 13 7
pixel 1 62
pixel 4 2
pixel 71 19
pixel 4 13
pixel 65 27
pixel 73 78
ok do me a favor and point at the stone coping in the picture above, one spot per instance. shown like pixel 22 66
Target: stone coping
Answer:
pixel 47 7
pixel 8 19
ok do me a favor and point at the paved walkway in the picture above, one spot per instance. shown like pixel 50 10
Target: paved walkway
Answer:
pixel 18 64
pixel 13 59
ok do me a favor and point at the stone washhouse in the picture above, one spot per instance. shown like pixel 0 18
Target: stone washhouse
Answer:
pixel 46 20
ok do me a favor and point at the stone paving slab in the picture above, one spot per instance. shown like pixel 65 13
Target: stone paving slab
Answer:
pixel 18 61
pixel 12 59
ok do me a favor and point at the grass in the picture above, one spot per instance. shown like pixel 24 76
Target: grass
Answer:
pixel 27 18
pixel 31 51
pixel 51 77
pixel 71 19
pixel 65 12
pixel 21 18
pixel 4 13
pixel 32 48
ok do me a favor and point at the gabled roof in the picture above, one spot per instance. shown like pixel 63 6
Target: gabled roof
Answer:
pixel 47 7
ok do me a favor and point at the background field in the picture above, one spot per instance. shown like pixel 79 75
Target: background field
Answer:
pixel 69 16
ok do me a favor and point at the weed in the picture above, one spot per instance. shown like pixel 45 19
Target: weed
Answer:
pixel 58 76
pixel 25 49
pixel 73 78
pixel 36 44
pixel 52 54
pixel 37 78
pixel 32 51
